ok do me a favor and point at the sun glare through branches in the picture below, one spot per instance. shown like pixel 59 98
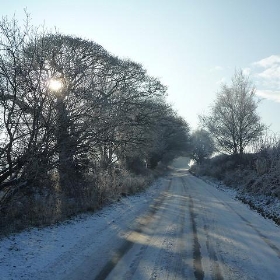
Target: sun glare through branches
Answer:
pixel 55 85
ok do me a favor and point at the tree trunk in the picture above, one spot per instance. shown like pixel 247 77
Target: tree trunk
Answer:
pixel 65 156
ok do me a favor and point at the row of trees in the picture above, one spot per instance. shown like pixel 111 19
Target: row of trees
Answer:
pixel 68 107
pixel 70 110
pixel 232 124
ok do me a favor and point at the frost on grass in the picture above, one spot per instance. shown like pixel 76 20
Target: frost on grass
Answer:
pixel 33 253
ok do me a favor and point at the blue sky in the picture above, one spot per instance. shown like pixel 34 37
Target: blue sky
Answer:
pixel 192 46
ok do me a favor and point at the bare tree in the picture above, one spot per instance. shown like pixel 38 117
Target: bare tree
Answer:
pixel 21 100
pixel 125 95
pixel 107 111
pixel 233 120
pixel 76 65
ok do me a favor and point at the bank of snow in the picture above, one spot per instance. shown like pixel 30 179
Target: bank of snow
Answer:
pixel 50 252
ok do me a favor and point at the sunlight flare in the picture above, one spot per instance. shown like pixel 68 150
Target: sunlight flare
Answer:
pixel 55 84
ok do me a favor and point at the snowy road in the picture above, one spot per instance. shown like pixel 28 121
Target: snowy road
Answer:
pixel 188 229
pixel 193 232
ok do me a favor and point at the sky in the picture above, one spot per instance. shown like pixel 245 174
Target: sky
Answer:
pixel 192 46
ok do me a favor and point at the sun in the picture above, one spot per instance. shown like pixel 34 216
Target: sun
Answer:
pixel 55 85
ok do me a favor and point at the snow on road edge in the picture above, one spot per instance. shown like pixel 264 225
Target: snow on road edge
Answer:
pixel 29 252
pixel 266 206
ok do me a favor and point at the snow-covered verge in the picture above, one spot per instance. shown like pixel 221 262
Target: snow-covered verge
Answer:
pixel 267 206
pixel 254 178
pixel 33 253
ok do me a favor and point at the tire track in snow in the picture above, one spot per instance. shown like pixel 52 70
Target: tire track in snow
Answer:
pixel 238 267
pixel 197 265
pixel 180 264
pixel 170 263
pixel 127 244
pixel 262 236
pixel 212 254
pixel 197 258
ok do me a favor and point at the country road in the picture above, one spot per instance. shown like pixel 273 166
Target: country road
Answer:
pixel 180 228
pixel 192 231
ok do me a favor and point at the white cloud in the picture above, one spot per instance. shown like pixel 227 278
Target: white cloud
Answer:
pixel 268 61
pixel 273 72
pixel 267 77
pixel 216 68
pixel 269 94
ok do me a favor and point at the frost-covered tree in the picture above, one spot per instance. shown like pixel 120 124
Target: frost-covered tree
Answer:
pixel 70 110
pixel 233 120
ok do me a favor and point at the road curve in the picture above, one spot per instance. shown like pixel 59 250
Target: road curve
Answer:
pixel 191 231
